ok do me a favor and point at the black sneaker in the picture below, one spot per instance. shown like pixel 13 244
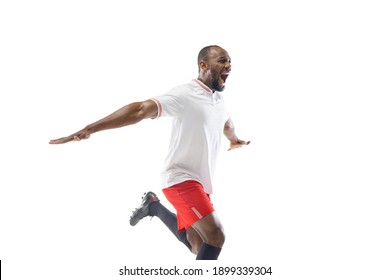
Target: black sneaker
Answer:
pixel 143 211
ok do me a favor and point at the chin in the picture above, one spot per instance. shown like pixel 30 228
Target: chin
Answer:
pixel 218 87
pixel 221 87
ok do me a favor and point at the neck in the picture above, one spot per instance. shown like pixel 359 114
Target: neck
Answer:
pixel 203 85
pixel 205 82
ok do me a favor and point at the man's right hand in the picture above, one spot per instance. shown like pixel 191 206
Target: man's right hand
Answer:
pixel 81 135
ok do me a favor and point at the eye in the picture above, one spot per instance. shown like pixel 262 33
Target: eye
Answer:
pixel 223 60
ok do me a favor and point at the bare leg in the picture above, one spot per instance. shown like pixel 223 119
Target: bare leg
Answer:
pixel 210 230
pixel 194 239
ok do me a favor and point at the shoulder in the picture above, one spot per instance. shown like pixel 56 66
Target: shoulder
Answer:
pixel 181 89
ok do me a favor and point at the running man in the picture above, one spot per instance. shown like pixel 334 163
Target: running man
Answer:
pixel 199 118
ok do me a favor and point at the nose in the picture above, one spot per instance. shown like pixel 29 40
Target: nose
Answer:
pixel 228 66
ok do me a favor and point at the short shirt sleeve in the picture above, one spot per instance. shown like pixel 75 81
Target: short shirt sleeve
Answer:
pixel 169 104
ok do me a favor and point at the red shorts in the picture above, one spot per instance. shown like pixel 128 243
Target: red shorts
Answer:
pixel 190 201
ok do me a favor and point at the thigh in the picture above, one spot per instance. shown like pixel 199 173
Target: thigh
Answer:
pixel 210 229
pixel 194 239
pixel 190 202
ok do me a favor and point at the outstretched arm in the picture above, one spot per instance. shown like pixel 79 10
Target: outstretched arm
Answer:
pixel 127 115
pixel 230 134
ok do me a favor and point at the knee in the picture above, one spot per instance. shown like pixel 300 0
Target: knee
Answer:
pixel 216 237
pixel 195 242
pixel 195 249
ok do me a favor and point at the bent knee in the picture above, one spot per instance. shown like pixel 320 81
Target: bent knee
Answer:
pixel 216 237
pixel 195 241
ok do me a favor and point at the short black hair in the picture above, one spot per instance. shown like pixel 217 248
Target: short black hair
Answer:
pixel 205 52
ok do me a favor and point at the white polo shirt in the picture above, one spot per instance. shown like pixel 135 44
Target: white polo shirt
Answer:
pixel 199 116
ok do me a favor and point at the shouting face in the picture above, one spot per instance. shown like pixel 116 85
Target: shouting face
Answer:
pixel 216 68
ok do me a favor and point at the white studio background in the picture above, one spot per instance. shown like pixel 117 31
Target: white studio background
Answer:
pixel 309 88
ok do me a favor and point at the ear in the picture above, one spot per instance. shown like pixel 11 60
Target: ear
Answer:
pixel 203 65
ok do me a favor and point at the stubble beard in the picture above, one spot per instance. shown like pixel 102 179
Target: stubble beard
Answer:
pixel 215 82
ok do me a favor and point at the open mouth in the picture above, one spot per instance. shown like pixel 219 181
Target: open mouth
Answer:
pixel 224 77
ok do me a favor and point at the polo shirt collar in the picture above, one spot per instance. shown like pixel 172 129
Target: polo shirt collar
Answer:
pixel 206 88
